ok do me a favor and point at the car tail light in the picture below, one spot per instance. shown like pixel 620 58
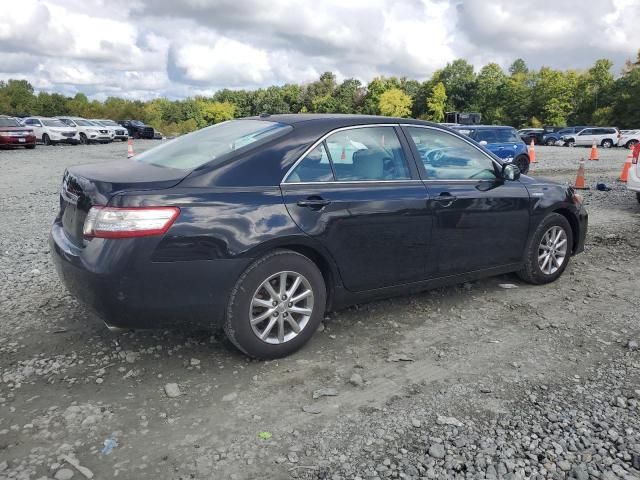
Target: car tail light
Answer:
pixel 114 222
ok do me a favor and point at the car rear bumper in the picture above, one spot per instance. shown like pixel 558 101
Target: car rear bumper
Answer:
pixel 17 141
pixel 129 292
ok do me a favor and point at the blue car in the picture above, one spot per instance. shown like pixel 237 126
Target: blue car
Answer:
pixel 502 141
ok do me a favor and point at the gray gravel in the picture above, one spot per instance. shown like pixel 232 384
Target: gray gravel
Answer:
pixel 471 381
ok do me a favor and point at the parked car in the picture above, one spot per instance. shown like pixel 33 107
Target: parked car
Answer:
pixel 117 131
pixel 137 129
pixel 500 140
pixel 605 137
pixel 555 137
pixel 628 138
pixel 262 224
pixel 633 180
pixel 88 131
pixel 13 134
pixel 528 134
pixel 51 131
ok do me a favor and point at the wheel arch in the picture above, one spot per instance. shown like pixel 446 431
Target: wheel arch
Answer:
pixel 317 254
pixel 575 226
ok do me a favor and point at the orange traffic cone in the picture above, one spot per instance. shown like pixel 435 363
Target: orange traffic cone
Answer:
pixel 594 152
pixel 624 174
pixel 532 153
pixel 130 148
pixel 580 184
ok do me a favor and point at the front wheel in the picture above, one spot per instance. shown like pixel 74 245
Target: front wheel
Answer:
pixel 548 250
pixel 276 305
pixel 550 142
pixel 46 140
pixel 630 144
pixel 522 162
pixel 570 143
pixel 638 196
pixel 83 139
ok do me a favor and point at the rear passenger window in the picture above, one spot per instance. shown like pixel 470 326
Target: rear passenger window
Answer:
pixel 367 154
pixel 315 167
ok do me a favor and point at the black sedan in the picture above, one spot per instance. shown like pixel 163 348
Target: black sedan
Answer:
pixel 260 225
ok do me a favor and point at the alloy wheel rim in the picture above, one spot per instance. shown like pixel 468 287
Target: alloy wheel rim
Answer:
pixel 281 307
pixel 552 250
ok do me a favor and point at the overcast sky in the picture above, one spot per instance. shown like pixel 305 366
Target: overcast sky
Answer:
pixel 179 48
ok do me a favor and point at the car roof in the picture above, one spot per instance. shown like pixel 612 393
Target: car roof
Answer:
pixel 336 120
pixel 481 127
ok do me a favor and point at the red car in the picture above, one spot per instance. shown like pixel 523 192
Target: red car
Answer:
pixel 12 134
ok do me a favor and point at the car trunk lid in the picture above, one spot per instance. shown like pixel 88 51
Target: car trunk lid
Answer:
pixel 86 186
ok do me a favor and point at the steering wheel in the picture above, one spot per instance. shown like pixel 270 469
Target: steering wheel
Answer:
pixel 435 156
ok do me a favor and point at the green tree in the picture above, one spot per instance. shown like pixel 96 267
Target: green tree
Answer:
pixel 395 103
pixel 437 102
pixel 18 97
pixel 486 96
pixel 458 78
pixel 215 112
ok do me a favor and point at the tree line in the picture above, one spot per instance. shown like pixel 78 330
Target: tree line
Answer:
pixel 519 97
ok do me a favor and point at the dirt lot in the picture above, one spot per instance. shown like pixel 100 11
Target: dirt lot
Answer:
pixel 472 381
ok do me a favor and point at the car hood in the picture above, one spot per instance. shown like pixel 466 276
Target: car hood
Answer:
pixel 16 129
pixel 63 129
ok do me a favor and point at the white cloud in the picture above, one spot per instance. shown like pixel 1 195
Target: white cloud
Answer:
pixel 148 48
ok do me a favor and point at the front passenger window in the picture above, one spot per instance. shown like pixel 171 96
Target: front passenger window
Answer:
pixel 447 157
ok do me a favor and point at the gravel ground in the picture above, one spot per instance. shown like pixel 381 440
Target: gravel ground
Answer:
pixel 471 381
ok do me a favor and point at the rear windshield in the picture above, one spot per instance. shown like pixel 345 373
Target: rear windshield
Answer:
pixel 8 122
pixel 195 149
pixel 498 135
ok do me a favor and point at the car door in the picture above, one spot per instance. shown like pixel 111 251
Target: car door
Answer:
pixel 358 193
pixel 481 221
pixel 36 125
pixel 585 137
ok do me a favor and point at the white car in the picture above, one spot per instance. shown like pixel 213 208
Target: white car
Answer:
pixel 89 132
pixel 629 138
pixel 51 131
pixel 605 137
pixel 118 131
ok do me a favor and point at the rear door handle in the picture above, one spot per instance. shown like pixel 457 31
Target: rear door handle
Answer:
pixel 314 203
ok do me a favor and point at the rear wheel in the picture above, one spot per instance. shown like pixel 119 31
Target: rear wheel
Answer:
pixel 607 143
pixel 46 140
pixel 522 161
pixel 548 251
pixel 276 305
pixel 550 142
pixel 638 196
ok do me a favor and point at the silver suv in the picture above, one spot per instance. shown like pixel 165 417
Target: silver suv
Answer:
pixel 605 137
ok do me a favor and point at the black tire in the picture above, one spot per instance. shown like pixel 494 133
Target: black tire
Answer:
pixel 30 147
pixel 638 196
pixel 531 272
pixel 522 162
pixel 630 144
pixel 607 143
pixel 237 322
pixel 570 143
pixel 46 140
pixel 83 139
pixel 550 142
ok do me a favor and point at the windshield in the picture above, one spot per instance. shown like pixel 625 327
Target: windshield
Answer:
pixel 8 122
pixel 195 149
pixel 66 121
pixel 84 123
pixel 498 135
pixel 106 123
pixel 137 123
pixel 53 122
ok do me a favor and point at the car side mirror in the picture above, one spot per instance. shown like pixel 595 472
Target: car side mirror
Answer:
pixel 510 172
pixel 483 142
